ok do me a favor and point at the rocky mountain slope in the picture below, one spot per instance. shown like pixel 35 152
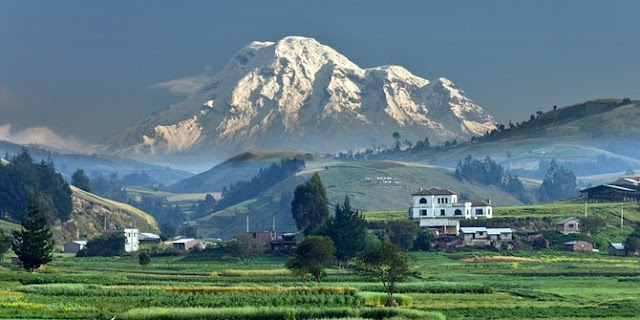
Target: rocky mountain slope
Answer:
pixel 299 94
pixel 88 216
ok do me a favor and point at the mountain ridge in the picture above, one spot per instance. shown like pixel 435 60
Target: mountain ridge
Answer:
pixel 299 94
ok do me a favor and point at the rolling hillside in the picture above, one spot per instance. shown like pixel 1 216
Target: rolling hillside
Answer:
pixel 592 138
pixel 241 167
pixel 89 212
pixel 372 186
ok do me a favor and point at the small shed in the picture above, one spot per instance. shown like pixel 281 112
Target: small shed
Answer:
pixel 74 246
pixel 569 225
pixel 578 246
pixel 184 245
pixel 500 234
pixel 617 249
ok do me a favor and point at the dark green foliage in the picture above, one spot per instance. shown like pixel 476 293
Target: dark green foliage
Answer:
pixel 23 175
pixel 387 264
pixel 160 209
pixel 593 225
pixel 402 233
pixel 5 243
pixel 348 229
pixel 310 207
pixel 245 248
pixel 137 179
pixel 266 177
pixel 559 183
pixel 205 207
pixel 106 245
pixel 108 188
pixel 312 256
pixel 144 258
pixel 632 243
pixel 424 239
pixel 80 180
pixel 33 243
pixel 485 172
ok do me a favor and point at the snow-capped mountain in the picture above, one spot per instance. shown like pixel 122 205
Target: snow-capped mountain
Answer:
pixel 297 93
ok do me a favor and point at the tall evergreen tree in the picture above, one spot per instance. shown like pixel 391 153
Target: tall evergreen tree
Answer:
pixel 80 180
pixel 559 183
pixel 33 244
pixel 310 207
pixel 5 243
pixel 348 230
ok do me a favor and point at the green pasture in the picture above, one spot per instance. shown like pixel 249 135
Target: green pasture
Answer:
pixel 462 285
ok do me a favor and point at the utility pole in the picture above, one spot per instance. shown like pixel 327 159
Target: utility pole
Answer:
pixel 622 217
pixel 585 208
pixel 105 222
pixel 247 222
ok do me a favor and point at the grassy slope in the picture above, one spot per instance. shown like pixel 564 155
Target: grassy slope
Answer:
pixel 580 139
pixel 114 205
pixel 359 181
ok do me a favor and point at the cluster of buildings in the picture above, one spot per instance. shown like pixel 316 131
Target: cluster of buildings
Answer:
pixel 133 239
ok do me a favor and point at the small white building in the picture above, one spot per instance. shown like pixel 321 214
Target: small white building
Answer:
pixel 443 203
pixel 475 236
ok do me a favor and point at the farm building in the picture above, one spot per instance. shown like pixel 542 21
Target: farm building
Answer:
pixel 616 249
pixel 481 236
pixel 441 226
pixel 569 225
pixel 611 192
pixel 286 243
pixel 264 237
pixel 146 237
pixel 184 245
pixel 578 246
pixel 74 246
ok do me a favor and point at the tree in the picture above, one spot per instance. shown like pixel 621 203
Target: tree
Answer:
pixel 402 233
pixel 33 243
pixel 387 263
pixel 144 258
pixel 348 230
pixel 310 207
pixel 245 248
pixel 632 243
pixel 593 225
pixel 312 256
pixel 105 246
pixel 5 243
pixel 559 183
pixel 80 180
pixel 424 239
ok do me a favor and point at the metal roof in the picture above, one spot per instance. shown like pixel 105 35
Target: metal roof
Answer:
pixel 80 242
pixel 618 246
pixel 185 240
pixel 147 235
pixel 473 229
pixel 435 192
pixel 499 230
pixel 563 221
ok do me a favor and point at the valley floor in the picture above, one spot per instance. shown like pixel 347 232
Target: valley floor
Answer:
pixel 462 285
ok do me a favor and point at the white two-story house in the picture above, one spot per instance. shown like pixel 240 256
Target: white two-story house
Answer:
pixel 440 209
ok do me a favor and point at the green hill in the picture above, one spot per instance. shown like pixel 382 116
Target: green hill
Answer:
pixel 592 138
pixel 241 167
pixel 372 186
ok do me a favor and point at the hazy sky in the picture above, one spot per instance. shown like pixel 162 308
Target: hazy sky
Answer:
pixel 86 69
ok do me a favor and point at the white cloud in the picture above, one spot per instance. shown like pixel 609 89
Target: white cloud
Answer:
pixel 41 136
pixel 187 85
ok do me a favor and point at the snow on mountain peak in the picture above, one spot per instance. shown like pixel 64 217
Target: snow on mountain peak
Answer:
pixel 299 93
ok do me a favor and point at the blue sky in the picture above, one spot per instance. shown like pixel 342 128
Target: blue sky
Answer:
pixel 87 68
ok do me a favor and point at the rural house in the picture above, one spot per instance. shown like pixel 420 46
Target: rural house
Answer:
pixel 146 237
pixel 74 246
pixel 569 225
pixel 578 246
pixel 184 245
pixel 440 210
pixel 481 236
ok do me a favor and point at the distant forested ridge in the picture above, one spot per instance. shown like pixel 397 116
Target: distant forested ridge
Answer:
pixel 266 177
pixel 21 176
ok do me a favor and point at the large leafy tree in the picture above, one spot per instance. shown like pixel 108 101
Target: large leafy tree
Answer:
pixel 348 230
pixel 33 243
pixel 310 207
pixel 386 263
pixel 245 248
pixel 594 225
pixel 403 233
pixel 108 245
pixel 312 256
pixel 632 243
pixel 81 180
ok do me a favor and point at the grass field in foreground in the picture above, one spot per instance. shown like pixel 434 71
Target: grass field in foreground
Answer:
pixel 463 285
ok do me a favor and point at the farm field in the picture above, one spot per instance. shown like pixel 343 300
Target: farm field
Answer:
pixel 462 285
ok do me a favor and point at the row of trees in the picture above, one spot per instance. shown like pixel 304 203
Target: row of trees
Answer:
pixel 21 176
pixel 266 177
pixel 488 172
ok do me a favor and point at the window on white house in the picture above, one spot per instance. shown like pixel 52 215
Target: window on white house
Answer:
pixel 479 212
pixel 442 212
pixel 423 200
pixel 423 212
pixel 458 212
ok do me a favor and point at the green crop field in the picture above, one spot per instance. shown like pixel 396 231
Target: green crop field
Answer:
pixel 462 285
